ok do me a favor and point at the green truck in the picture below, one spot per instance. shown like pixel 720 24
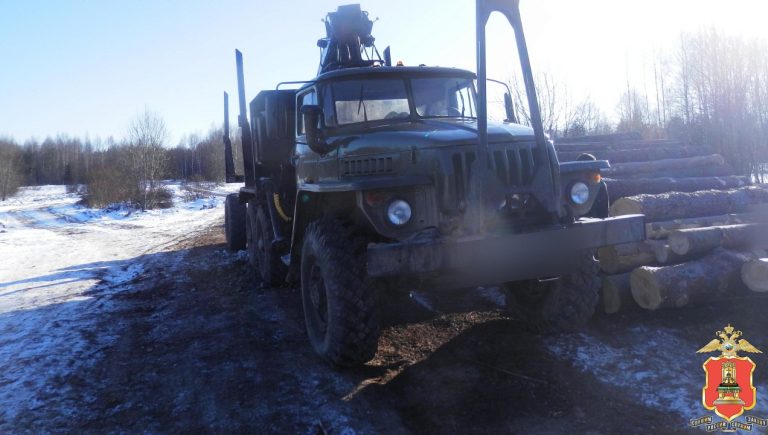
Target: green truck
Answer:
pixel 374 176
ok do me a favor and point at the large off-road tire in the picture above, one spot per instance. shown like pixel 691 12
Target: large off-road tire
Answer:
pixel 234 222
pixel 557 305
pixel 340 300
pixel 263 255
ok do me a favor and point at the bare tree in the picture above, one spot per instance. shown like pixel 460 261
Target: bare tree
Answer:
pixel 684 79
pixel 587 118
pixel 721 84
pixel 548 92
pixel 560 115
pixel 147 134
pixel 633 111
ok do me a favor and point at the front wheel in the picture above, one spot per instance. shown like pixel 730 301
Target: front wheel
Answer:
pixel 339 299
pixel 558 305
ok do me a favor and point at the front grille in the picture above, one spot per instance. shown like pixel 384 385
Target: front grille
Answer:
pixel 514 164
pixel 368 166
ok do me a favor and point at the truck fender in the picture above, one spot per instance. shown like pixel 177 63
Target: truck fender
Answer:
pixel 308 207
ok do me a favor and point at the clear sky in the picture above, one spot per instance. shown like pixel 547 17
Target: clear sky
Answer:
pixel 89 66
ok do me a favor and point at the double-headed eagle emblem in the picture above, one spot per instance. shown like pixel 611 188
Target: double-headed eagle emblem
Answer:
pixel 728 343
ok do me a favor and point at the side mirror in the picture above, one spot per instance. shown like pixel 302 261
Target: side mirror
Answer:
pixel 509 108
pixel 311 114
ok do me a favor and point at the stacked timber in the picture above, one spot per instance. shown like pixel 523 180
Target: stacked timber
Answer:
pixel 712 277
pixel 631 187
pixel 678 205
pixel 635 155
pixel 706 227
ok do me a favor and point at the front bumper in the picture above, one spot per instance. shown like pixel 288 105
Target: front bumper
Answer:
pixel 494 259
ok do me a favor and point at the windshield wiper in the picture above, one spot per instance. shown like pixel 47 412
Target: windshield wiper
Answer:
pixel 361 102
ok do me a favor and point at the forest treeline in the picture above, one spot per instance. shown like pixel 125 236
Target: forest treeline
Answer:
pixel 115 171
pixel 708 89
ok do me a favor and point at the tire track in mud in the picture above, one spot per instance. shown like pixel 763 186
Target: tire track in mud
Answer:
pixel 179 240
pixel 204 348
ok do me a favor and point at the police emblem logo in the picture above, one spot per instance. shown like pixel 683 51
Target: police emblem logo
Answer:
pixel 729 390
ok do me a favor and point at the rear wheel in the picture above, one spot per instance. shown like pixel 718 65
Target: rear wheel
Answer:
pixel 263 254
pixel 339 299
pixel 234 222
pixel 558 305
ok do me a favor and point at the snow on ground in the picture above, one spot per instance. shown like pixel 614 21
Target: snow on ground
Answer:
pixel 647 368
pixel 57 261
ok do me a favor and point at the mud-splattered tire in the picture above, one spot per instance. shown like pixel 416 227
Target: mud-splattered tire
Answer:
pixel 340 301
pixel 234 222
pixel 263 255
pixel 560 305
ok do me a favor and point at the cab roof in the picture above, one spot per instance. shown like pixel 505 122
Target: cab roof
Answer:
pixel 409 71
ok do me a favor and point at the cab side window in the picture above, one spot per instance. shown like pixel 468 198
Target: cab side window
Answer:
pixel 307 98
pixel 329 110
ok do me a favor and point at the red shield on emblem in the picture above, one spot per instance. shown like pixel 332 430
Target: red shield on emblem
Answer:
pixel 729 390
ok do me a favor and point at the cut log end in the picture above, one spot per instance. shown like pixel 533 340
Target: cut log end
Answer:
pixel 678 243
pixel 646 291
pixel 754 274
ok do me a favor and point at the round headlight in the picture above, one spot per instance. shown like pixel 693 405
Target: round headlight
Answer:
pixel 579 193
pixel 399 212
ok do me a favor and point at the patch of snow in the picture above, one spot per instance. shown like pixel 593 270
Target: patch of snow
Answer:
pixel 58 261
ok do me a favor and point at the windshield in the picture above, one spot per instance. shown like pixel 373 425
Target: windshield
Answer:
pixel 444 97
pixel 368 100
pixel 356 101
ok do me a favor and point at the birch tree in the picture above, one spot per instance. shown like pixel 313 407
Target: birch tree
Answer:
pixel 147 135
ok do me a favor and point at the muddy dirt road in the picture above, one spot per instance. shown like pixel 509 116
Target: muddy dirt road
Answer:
pixel 197 345
pixel 201 347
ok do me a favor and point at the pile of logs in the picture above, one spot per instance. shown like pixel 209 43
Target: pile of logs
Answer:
pixel 706 228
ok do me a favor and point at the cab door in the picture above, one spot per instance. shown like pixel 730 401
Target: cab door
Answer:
pixel 312 167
